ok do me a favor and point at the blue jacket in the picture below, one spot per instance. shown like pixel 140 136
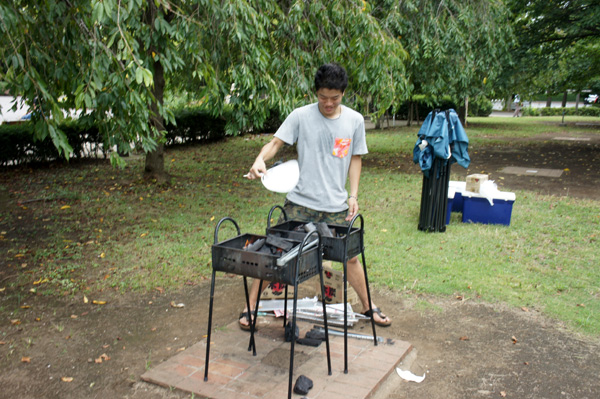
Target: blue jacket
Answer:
pixel 446 140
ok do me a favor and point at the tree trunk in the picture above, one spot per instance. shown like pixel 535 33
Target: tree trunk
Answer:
pixel 549 101
pixel 466 110
pixel 564 100
pixel 417 113
pixel 577 100
pixel 462 114
pixel 155 161
pixel 410 113
pixel 507 103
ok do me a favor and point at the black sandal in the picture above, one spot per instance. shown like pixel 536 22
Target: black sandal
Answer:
pixel 369 314
pixel 245 315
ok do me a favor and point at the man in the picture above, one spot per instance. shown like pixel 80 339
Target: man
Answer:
pixel 330 140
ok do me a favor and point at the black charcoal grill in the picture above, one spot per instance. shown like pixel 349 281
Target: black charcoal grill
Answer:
pixel 293 268
pixel 345 243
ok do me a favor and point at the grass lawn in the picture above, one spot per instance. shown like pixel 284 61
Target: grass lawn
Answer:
pixel 75 229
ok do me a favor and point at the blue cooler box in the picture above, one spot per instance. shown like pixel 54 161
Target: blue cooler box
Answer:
pixel 459 187
pixel 451 197
pixel 477 208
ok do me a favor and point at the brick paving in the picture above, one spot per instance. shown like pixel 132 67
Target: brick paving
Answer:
pixel 234 373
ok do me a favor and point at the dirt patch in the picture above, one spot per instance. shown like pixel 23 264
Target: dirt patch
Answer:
pixel 466 349
pixel 66 348
pixel 578 160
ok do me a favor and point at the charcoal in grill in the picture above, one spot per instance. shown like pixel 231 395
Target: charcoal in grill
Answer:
pixel 309 227
pixel 279 243
pixel 324 230
pixel 256 245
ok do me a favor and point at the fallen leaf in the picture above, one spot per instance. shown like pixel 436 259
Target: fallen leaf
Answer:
pixel 102 255
pixel 514 340
pixel 2 289
pixel 384 230
pixel 74 316
pixel 181 349
pixel 177 305
pixel 2 343
pixel 65 207
pixel 27 307
pixel 465 338
pixel 160 289
pixel 503 394
pixel 26 359
pixel 66 379
pixel 581 305
pixel 143 235
pixel 524 309
pixel 99 302
pixel 212 218
pixel 103 358
pixel 153 329
pixel 85 299
pixel 15 322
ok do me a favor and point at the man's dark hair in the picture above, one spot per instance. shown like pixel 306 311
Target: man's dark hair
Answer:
pixel 331 76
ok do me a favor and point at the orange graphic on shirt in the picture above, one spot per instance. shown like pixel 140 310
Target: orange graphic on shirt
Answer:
pixel 341 147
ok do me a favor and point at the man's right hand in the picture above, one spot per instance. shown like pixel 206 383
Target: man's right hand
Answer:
pixel 258 169
pixel 268 152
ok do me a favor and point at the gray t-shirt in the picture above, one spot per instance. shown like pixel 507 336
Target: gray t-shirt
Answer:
pixel 325 148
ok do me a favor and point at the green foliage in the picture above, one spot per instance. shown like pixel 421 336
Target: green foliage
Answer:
pixel 582 111
pixel 18 145
pixel 253 62
pixel 480 107
pixel 424 105
pixel 557 47
pixel 456 48
pixel 194 124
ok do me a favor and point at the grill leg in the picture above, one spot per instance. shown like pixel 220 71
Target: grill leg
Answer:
pixel 291 373
pixel 369 295
pixel 325 317
pixel 285 294
pixel 256 309
pixel 345 314
pixel 251 344
pixel 210 310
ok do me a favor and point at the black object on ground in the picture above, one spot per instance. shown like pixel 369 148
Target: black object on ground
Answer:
pixel 303 385
pixel 309 342
pixel 315 334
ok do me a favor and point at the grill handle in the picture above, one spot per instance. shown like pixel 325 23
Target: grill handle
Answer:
pixel 271 214
pixel 362 223
pixel 219 226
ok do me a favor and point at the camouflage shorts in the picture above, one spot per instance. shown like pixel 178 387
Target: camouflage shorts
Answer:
pixel 297 212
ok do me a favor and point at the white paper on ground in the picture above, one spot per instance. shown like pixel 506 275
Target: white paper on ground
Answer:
pixel 408 376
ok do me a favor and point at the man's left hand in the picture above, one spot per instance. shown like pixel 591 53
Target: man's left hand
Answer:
pixel 352 208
